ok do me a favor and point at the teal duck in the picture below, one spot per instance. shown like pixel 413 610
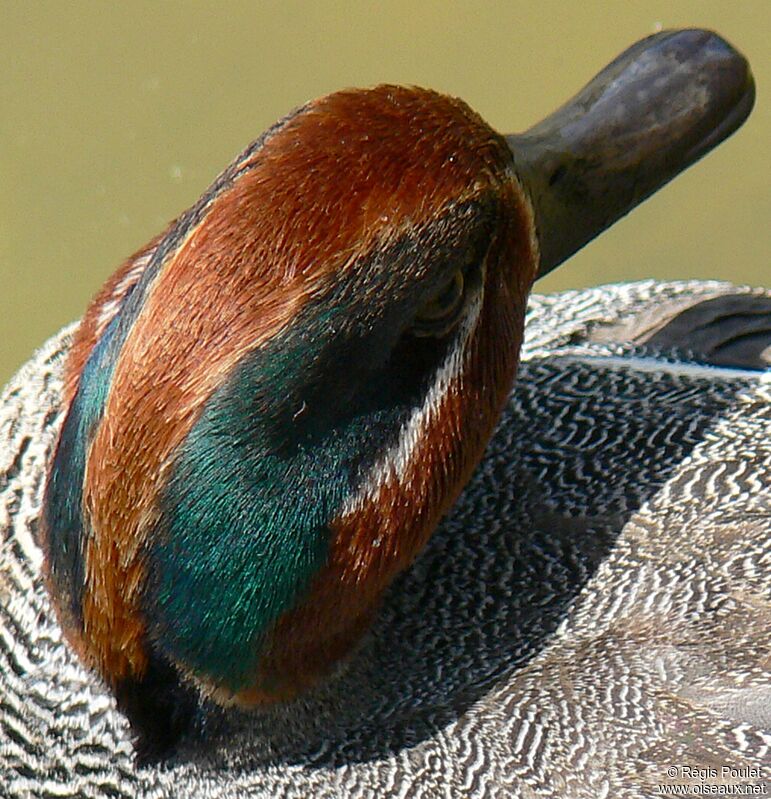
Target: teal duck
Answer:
pixel 221 485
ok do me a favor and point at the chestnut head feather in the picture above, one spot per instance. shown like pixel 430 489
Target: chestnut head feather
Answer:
pixel 268 409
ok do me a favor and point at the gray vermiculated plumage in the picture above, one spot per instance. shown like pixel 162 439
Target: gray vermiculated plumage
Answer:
pixel 595 609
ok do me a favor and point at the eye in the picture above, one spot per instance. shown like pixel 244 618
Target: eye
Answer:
pixel 440 314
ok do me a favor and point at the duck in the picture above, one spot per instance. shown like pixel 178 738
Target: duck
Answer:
pixel 214 485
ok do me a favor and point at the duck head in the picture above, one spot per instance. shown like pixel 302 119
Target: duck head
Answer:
pixel 268 409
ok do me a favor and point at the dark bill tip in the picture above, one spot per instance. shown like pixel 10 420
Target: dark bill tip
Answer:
pixel 659 107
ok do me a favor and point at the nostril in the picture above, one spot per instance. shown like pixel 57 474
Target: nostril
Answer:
pixel 557 175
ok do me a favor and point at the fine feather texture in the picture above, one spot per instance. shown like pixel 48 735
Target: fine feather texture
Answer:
pixel 594 611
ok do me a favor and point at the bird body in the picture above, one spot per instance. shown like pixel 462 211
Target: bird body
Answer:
pixel 593 609
pixel 267 411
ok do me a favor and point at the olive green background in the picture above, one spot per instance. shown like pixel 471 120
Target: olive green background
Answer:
pixel 114 117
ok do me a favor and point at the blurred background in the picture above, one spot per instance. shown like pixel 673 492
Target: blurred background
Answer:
pixel 115 117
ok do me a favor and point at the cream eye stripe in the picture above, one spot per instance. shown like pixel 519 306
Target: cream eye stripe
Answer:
pixel 395 461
